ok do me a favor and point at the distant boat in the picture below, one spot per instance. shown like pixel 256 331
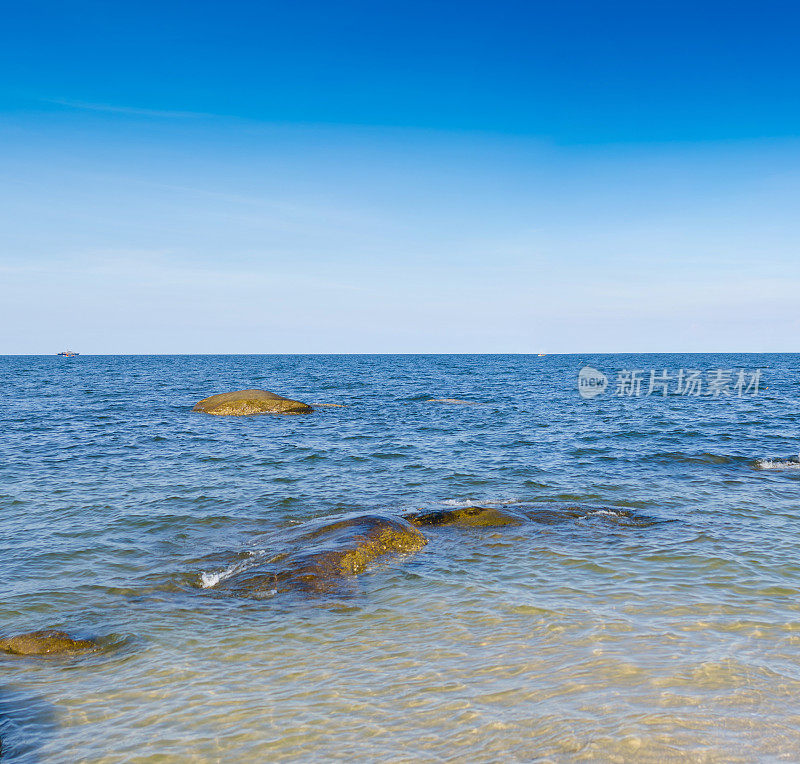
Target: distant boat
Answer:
pixel 542 355
pixel 68 353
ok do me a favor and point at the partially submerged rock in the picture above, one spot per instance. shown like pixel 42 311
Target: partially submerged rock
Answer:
pixel 561 515
pixel 244 402
pixel 550 516
pixel 44 643
pixel 320 555
pixel 452 400
pixel 478 517
pixel 324 555
pixel 499 516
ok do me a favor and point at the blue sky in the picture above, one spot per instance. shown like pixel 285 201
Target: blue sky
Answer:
pixel 399 177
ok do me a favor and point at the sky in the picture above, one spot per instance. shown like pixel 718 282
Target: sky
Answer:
pixel 415 177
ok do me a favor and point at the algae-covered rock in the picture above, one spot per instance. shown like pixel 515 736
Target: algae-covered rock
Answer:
pixel 49 642
pixel 477 517
pixel 319 555
pixel 244 402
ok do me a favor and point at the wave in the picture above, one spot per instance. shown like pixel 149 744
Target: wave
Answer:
pixel 695 458
pixel 475 503
pixel 210 579
pixel 778 463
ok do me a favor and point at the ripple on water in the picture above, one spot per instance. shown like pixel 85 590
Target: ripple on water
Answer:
pixel 647 609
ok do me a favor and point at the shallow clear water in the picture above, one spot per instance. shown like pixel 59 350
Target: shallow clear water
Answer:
pixel 672 633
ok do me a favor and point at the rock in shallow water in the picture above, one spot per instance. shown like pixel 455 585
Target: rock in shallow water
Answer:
pixel 473 516
pixel 320 555
pixel 244 402
pixel 48 642
pixel 498 516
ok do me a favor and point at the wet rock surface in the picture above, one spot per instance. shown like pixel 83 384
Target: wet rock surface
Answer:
pixel 320 555
pixel 324 555
pixel 246 402
pixel 478 517
pixel 487 517
pixel 45 643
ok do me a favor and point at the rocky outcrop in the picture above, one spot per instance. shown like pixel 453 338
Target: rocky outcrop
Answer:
pixel 320 555
pixel 244 402
pixel 45 643
pixel 477 517
pixel 325 555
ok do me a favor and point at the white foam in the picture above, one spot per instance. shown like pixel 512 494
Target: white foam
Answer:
pixel 473 503
pixel 265 595
pixel 778 464
pixel 209 580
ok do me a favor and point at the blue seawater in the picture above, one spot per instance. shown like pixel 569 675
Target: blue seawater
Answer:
pixel 654 616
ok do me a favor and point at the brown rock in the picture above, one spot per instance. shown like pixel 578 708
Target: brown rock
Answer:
pixel 47 642
pixel 476 517
pixel 321 554
pixel 244 402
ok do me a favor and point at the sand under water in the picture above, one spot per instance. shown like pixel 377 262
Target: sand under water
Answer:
pixel 644 607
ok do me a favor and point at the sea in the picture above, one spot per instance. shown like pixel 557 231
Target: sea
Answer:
pixel 649 610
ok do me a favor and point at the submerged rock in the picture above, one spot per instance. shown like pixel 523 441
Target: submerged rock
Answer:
pixel 452 400
pixel 478 517
pixel 582 514
pixel 320 555
pixel 548 516
pixel 244 402
pixel 499 516
pixel 47 642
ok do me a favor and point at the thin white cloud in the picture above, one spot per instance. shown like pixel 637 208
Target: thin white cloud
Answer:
pixel 129 110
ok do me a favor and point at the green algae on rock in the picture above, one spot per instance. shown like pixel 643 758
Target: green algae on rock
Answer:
pixel 476 517
pixel 245 402
pixel 321 554
pixel 45 643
